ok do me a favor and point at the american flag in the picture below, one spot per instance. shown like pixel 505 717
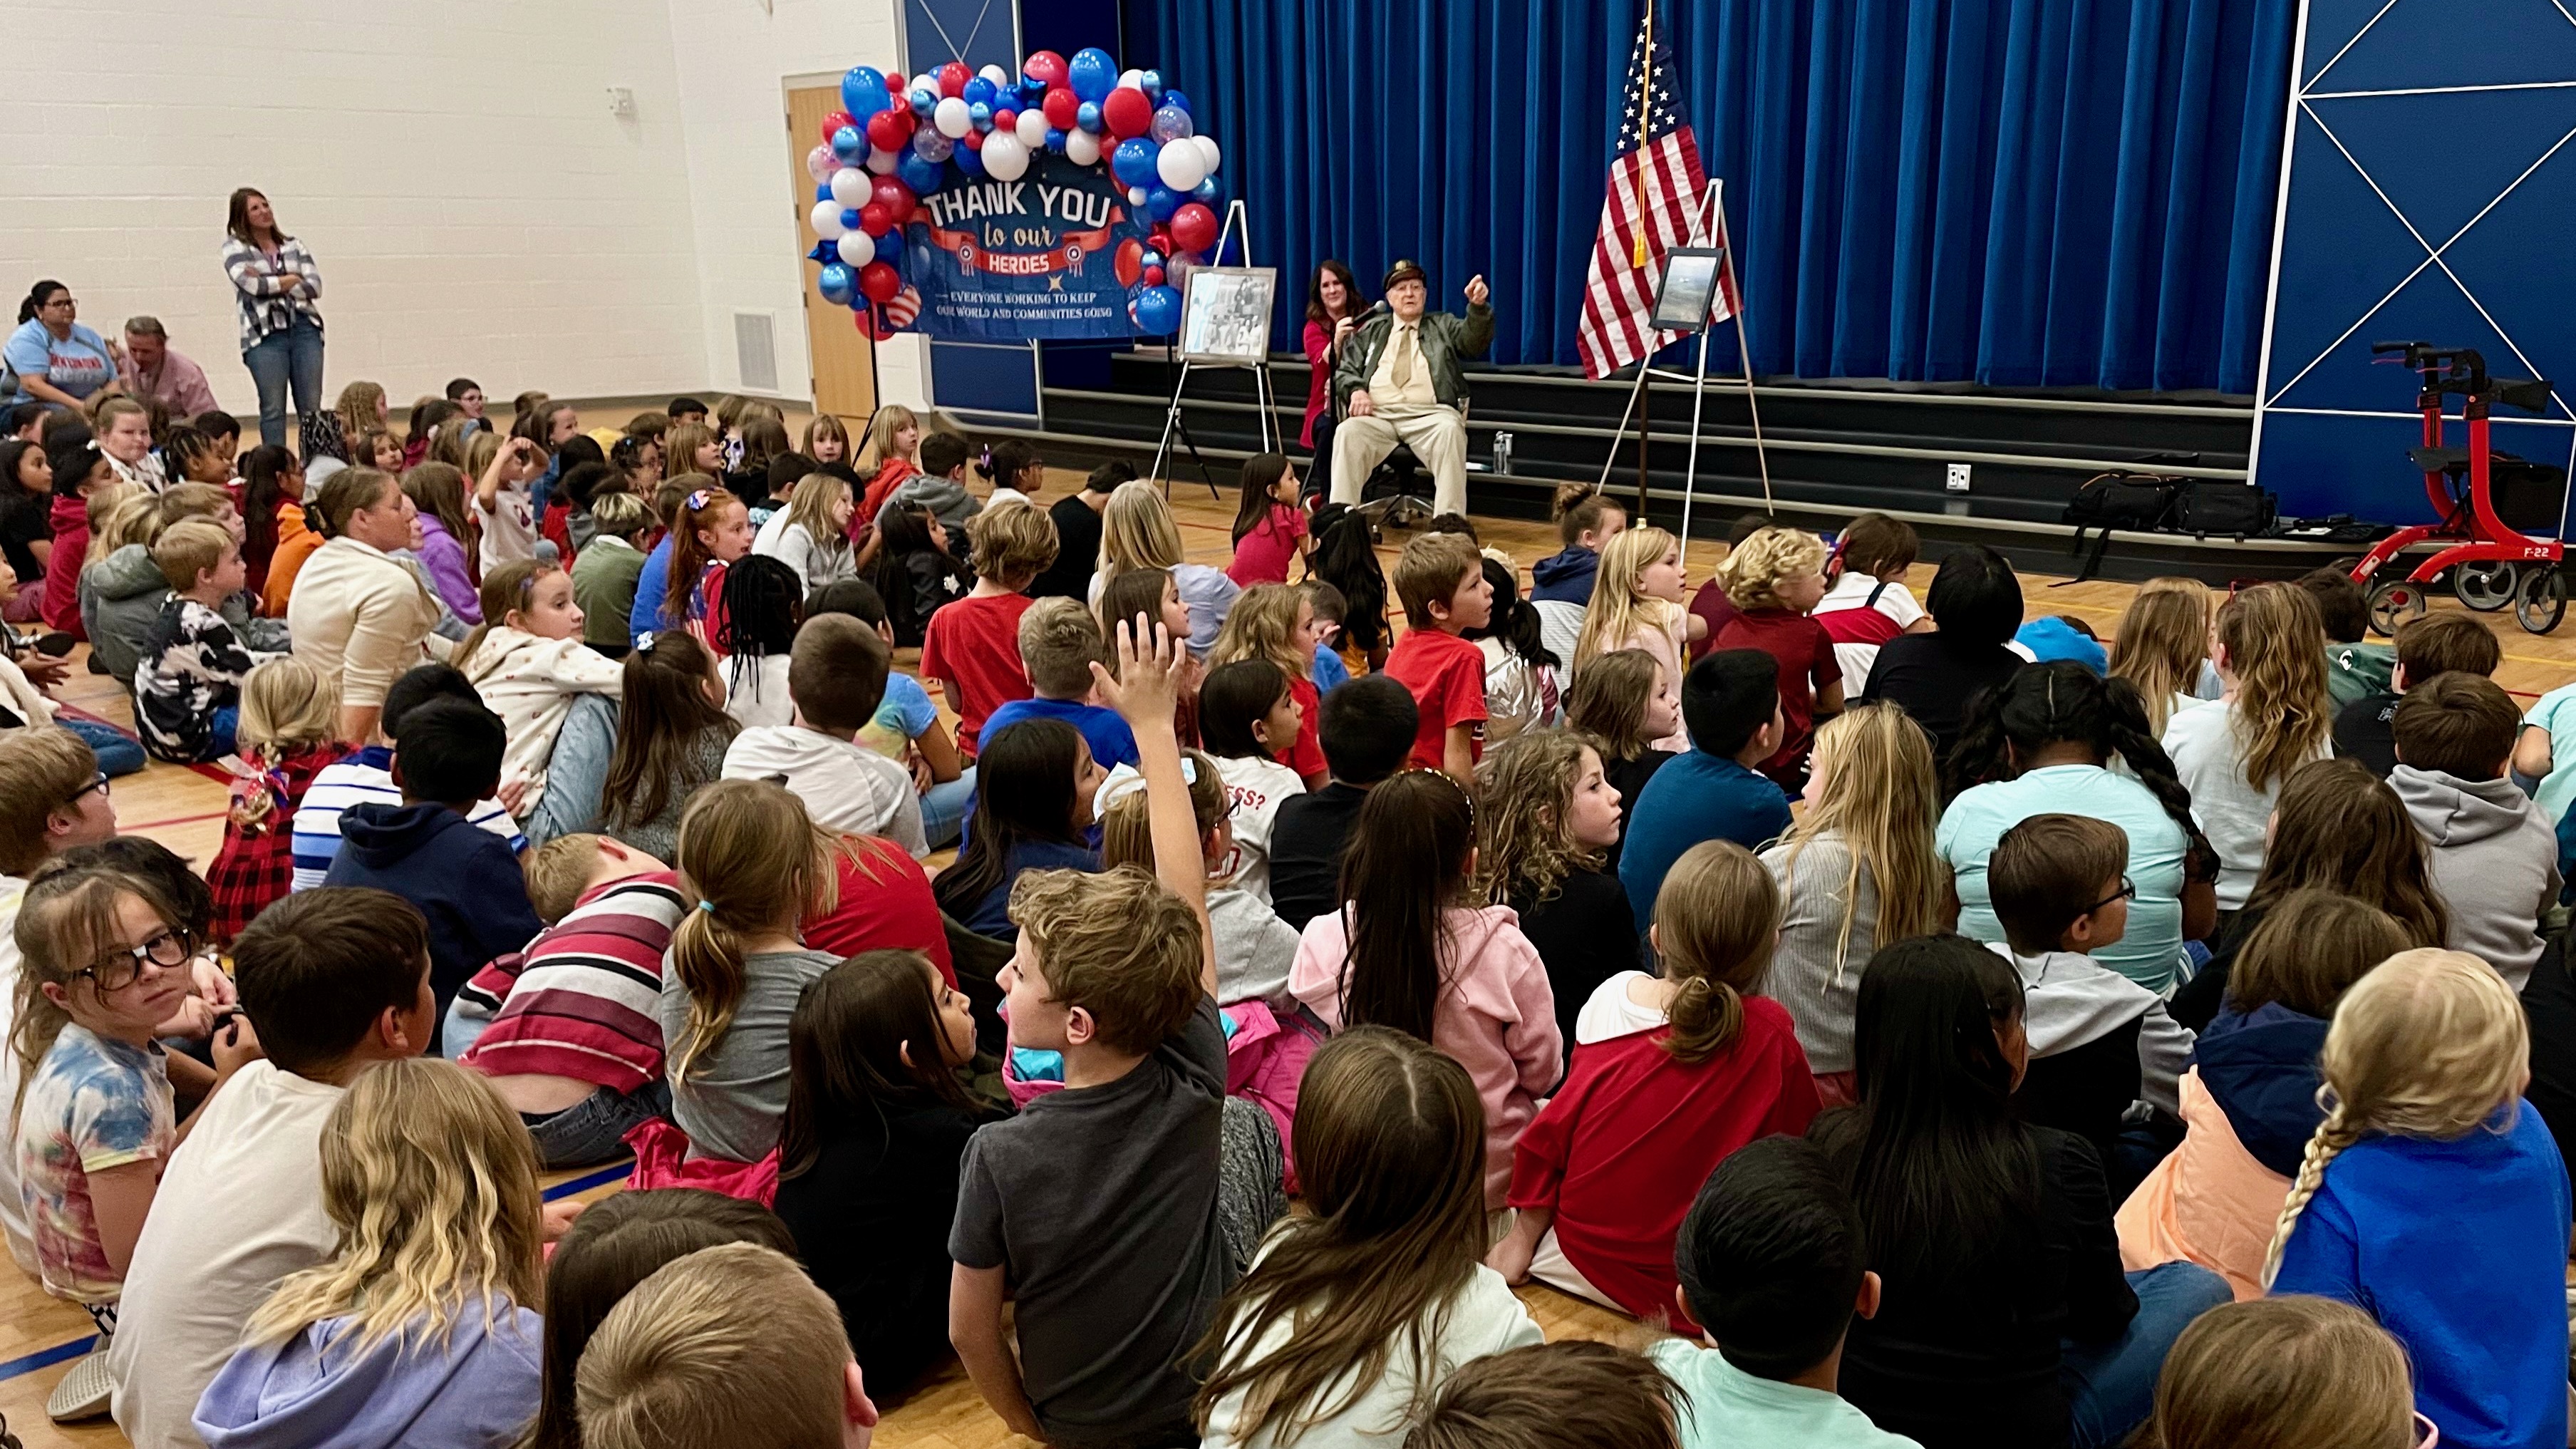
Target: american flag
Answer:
pixel 1653 205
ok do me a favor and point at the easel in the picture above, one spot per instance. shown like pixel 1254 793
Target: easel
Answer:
pixel 1238 226
pixel 1712 207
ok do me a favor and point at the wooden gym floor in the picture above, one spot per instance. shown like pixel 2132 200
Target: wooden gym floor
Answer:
pixel 184 808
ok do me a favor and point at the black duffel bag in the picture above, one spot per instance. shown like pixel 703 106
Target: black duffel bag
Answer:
pixel 2206 506
pixel 2138 502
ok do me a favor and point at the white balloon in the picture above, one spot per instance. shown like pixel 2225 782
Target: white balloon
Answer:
pixel 1131 80
pixel 952 118
pixel 857 248
pixel 850 186
pixel 883 163
pixel 1180 165
pixel 1082 148
pixel 1136 196
pixel 820 163
pixel 826 217
pixel 1032 127
pixel 1208 150
pixel 996 75
pixel 1004 157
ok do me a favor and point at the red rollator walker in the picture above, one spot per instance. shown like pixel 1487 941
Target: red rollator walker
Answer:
pixel 2491 563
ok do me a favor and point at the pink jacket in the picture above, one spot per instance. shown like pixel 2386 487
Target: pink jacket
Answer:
pixel 1496 1015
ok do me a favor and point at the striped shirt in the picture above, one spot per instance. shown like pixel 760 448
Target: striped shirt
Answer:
pixel 579 1002
pixel 364 778
pixel 259 286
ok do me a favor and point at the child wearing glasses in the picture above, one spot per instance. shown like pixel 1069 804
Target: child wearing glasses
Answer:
pixel 105 965
pixel 2098 1040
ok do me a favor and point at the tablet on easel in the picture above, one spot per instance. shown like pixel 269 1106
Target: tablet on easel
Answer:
pixel 1688 289
pixel 1225 316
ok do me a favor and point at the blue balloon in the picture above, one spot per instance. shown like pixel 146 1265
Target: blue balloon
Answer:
pixel 1092 74
pixel 1209 193
pixel 981 114
pixel 1150 258
pixel 980 91
pixel 863 91
pixel 1133 162
pixel 919 172
pixel 1055 140
pixel 968 159
pixel 823 191
pixel 1161 201
pixel 1158 311
pixel 849 218
pixel 823 252
pixel 850 145
pixel 1088 117
pixel 1172 97
pixel 924 102
pixel 837 284
pixel 1151 82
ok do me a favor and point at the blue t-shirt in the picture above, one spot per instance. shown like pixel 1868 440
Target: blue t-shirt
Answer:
pixel 1329 671
pixel 2147 952
pixel 2050 639
pixel 651 587
pixel 906 709
pixel 1697 796
pixel 992 916
pixel 79 364
pixel 1112 742
pixel 2460 1250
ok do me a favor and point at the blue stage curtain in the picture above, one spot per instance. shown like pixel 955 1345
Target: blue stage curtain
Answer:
pixel 2014 192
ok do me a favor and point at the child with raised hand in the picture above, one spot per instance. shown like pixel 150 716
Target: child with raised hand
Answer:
pixel 1866 603
pixel 1104 1208
pixel 1254 948
pixel 1773 1260
pixel 1670 1075
pixel 2285 1373
pixel 971 648
pixel 503 505
pixel 1248 717
pixel 2249 1098
pixel 1550 817
pixel 1033 811
pixel 762 608
pixel 755 867
pixel 556 696
pixel 2433 1197
pixel 1312 1349
pixel 1774 579
pixel 2233 753
pixel 2163 645
pixel 1857 869
pixel 1276 623
pixel 289 731
pixel 2494 857
pixel 187 683
pixel 867 1160
pixel 1408 951
pixel 1637 604
pixel 1269 528
pixel 423 1328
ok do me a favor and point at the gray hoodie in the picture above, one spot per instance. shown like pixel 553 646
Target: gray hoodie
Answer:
pixel 2495 861
pixel 120 597
pixel 2069 999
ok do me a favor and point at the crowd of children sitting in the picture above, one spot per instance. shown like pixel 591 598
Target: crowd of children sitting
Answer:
pixel 1945 1033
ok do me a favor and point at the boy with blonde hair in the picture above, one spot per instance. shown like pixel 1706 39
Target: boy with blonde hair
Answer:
pixel 1059 642
pixel 726 1347
pixel 971 647
pixel 188 678
pixel 1441 579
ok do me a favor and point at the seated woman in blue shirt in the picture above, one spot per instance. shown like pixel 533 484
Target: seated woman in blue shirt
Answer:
pixel 57 360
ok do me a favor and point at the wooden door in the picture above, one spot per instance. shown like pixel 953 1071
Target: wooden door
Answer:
pixel 844 372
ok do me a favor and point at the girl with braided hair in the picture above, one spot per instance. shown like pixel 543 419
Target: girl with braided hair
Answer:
pixel 2043 742
pixel 2433 1198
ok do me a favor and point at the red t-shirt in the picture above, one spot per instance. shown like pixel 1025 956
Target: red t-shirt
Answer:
pixel 706 606
pixel 975 644
pixel 885 905
pixel 1806 655
pixel 1621 1149
pixel 1447 677
pixel 1263 555
pixel 1715 610
pixel 1306 756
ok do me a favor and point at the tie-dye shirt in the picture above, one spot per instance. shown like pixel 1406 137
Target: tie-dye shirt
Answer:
pixel 92 1104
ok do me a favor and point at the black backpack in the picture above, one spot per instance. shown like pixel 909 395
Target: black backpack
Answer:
pixel 2209 505
pixel 2138 502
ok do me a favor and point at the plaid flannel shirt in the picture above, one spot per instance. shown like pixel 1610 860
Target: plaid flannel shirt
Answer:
pixel 259 285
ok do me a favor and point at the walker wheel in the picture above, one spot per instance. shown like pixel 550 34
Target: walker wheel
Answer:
pixel 2394 602
pixel 2541 601
pixel 2487 586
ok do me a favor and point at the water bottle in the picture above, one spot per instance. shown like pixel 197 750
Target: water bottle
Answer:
pixel 1502 453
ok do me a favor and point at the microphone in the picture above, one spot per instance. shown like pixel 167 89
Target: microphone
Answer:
pixel 1376 308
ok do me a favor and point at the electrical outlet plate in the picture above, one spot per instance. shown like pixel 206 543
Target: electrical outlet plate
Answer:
pixel 1958 478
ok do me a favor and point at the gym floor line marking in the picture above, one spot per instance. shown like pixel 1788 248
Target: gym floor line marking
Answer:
pixel 45 1358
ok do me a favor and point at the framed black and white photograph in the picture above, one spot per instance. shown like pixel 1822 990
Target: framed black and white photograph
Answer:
pixel 1225 315
pixel 1689 287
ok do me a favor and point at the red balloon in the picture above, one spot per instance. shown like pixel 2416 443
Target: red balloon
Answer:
pixel 1046 68
pixel 953 78
pixel 1006 120
pixel 1130 252
pixel 972 140
pixel 1063 108
pixel 1193 226
pixel 1153 276
pixel 874 221
pixel 890 193
pixel 833 121
pixel 881 283
pixel 894 90
pixel 888 130
pixel 1126 113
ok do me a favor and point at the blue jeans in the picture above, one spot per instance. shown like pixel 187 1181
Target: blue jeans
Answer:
pixel 943 809
pixel 2111 1387
pixel 576 771
pixel 227 723
pixel 118 752
pixel 292 356
pixel 593 1130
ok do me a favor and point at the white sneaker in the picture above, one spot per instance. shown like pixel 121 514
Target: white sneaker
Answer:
pixel 83 1393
